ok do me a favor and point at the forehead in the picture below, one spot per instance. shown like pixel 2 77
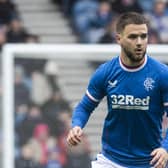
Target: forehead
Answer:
pixel 135 29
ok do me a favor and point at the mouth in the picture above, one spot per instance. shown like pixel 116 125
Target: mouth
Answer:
pixel 138 51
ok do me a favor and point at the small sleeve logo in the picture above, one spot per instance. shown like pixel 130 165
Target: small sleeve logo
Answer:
pixel 112 84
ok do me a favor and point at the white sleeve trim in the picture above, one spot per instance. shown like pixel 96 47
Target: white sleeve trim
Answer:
pixel 91 97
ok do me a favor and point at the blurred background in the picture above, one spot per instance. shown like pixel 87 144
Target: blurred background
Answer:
pixel 44 92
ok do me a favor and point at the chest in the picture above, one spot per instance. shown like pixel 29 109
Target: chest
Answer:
pixel 137 89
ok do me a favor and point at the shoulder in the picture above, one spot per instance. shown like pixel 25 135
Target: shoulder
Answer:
pixel 108 65
pixel 103 71
pixel 159 69
pixel 158 66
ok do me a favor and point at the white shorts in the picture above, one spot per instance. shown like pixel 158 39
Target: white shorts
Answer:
pixel 103 162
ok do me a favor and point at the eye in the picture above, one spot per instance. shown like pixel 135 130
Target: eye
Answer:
pixel 132 36
pixel 143 36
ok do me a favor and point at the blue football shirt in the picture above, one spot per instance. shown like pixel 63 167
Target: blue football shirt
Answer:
pixel 136 99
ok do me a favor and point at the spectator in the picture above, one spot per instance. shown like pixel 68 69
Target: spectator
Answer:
pixel 16 33
pixel 146 5
pixel 79 155
pixel 64 119
pixel 33 118
pixel 52 110
pixel 51 70
pixel 53 158
pixel 20 114
pixel 41 142
pixel 91 18
pixel 122 6
pixel 103 14
pixel 109 34
pixel 31 38
pixel 22 93
pixel 7 11
pixel 26 160
pixel 66 6
pixel 56 104
pixel 83 12
pixel 154 37
pixel 31 65
pixel 102 18
pixel 158 20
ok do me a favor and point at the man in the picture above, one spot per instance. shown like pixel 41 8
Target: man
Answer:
pixel 136 87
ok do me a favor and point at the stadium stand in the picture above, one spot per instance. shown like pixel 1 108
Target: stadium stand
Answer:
pixel 91 22
pixel 50 115
pixel 54 108
pixel 41 21
pixel 46 20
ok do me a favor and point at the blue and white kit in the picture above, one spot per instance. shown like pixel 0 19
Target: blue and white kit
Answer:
pixel 137 99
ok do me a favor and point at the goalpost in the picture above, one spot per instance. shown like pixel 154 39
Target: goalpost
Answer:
pixel 49 51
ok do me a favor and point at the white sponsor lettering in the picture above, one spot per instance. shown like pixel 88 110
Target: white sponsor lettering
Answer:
pixel 130 102
pixel 129 99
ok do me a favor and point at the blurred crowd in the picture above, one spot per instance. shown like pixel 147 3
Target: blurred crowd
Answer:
pixel 42 120
pixel 42 114
pixel 93 20
pixel 11 25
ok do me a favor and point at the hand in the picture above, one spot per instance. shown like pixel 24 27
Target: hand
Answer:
pixel 160 158
pixel 74 136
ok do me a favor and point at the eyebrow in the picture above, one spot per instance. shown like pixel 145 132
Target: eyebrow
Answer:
pixel 136 35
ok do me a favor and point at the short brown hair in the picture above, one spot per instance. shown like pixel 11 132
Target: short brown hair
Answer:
pixel 129 18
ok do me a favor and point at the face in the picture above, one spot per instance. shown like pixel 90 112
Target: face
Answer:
pixel 133 41
pixel 159 7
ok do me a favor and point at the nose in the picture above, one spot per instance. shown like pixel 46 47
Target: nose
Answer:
pixel 139 41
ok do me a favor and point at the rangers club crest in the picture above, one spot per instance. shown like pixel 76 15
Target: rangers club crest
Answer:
pixel 149 84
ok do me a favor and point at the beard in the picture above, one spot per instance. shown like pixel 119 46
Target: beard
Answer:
pixel 132 56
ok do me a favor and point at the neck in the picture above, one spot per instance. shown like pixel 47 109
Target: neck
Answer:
pixel 129 63
pixel 131 67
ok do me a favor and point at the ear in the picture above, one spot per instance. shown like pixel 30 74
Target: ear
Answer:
pixel 118 38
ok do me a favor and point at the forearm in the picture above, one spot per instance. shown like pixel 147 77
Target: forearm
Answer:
pixel 83 111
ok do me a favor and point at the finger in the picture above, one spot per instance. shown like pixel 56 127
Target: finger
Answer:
pixel 154 152
pixel 75 139
pixel 160 164
pixel 69 139
pixel 155 158
pixel 73 142
pixel 76 134
pixel 72 138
